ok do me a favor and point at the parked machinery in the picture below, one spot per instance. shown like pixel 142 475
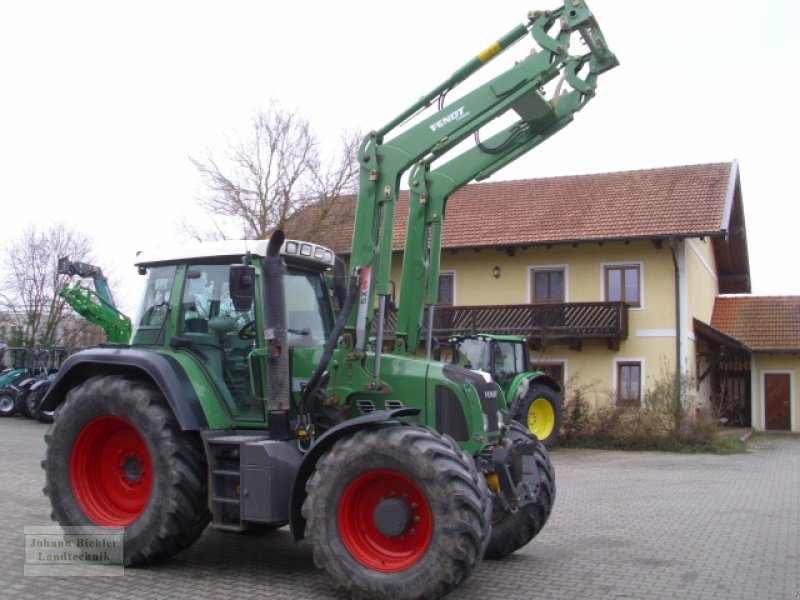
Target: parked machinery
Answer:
pixel 534 396
pixel 243 401
pixel 44 363
pixel 96 306
pixel 15 368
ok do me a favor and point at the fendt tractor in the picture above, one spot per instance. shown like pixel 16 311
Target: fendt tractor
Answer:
pixel 534 394
pixel 243 399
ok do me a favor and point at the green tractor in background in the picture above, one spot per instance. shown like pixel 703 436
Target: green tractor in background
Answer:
pixel 15 368
pixel 44 363
pixel 96 306
pixel 243 400
pixel 534 395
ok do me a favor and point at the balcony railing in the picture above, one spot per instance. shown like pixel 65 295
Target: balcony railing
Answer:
pixel 572 321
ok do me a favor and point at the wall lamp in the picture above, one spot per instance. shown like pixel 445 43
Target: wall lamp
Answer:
pixel 496 272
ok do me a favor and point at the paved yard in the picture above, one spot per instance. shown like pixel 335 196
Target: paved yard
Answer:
pixel 626 525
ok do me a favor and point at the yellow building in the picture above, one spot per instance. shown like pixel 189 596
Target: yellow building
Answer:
pixel 614 277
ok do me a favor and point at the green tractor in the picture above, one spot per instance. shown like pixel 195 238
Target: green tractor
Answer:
pixel 533 394
pixel 244 400
pixel 44 363
pixel 15 368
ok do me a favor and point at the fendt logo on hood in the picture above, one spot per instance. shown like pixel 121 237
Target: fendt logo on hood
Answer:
pixel 453 117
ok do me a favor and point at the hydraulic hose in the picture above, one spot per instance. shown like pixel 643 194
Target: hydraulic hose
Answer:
pixel 330 345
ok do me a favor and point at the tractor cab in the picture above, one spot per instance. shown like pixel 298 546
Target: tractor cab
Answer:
pixel 192 306
pixel 503 357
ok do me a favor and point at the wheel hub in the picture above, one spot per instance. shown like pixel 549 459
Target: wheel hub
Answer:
pixel 385 520
pixel 111 471
pixel 541 418
pixel 132 470
pixel 392 517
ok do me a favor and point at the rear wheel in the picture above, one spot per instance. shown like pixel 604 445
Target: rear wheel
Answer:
pixel 512 531
pixel 7 406
pixel 116 457
pixel 540 411
pixel 397 513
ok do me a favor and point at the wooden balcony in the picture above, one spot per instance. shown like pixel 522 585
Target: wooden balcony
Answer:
pixel 570 322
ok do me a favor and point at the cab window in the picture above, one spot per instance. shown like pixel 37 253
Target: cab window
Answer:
pixel 308 309
pixel 154 306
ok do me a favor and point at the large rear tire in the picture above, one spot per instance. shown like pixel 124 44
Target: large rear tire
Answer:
pixel 541 412
pixel 397 513
pixel 513 530
pixel 7 406
pixel 116 457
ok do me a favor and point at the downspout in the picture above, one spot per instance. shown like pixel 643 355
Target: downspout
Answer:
pixel 673 244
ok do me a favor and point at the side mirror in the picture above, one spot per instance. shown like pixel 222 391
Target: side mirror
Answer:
pixel 242 284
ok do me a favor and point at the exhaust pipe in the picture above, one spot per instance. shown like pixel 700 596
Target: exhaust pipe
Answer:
pixel 278 400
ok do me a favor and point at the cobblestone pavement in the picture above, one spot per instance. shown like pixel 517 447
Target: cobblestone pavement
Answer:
pixel 625 525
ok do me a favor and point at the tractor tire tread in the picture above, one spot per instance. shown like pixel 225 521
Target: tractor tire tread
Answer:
pixel 514 530
pixel 176 514
pixel 456 492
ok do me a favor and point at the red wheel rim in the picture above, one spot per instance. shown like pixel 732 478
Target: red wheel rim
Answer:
pixel 368 545
pixel 111 472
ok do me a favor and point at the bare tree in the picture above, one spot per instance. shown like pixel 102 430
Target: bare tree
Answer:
pixel 29 300
pixel 276 172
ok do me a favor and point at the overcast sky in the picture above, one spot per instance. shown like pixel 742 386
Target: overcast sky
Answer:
pixel 103 102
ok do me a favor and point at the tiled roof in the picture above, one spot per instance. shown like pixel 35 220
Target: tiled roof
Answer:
pixel 651 203
pixel 763 323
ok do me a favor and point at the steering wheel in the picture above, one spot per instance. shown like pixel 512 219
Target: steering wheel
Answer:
pixel 247 331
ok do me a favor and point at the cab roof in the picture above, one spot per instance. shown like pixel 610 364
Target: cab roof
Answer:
pixel 235 249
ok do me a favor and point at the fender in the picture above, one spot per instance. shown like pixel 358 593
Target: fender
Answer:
pixel 532 377
pixel 164 371
pixel 40 383
pixel 378 418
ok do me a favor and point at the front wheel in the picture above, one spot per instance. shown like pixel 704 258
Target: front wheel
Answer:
pixel 116 457
pixel 540 411
pixel 21 401
pixel 34 401
pixel 397 513
pixel 7 406
pixel 511 531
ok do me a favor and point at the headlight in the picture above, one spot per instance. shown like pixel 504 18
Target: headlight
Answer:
pixel 485 421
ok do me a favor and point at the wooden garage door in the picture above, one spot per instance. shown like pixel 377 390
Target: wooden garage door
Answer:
pixel 777 396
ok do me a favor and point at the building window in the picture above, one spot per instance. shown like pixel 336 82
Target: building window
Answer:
pixel 547 286
pixel 443 320
pixel 554 370
pixel 629 384
pixel 623 284
pixel 447 289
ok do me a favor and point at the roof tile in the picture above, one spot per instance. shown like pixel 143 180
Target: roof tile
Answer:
pixel 650 203
pixel 763 323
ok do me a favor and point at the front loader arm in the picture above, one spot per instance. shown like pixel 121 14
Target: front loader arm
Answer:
pixel 86 270
pixel 518 89
pixel 383 161
pixel 430 190
pixel 92 307
pixel 98 306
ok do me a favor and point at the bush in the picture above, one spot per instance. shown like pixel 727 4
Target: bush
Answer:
pixel 663 422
